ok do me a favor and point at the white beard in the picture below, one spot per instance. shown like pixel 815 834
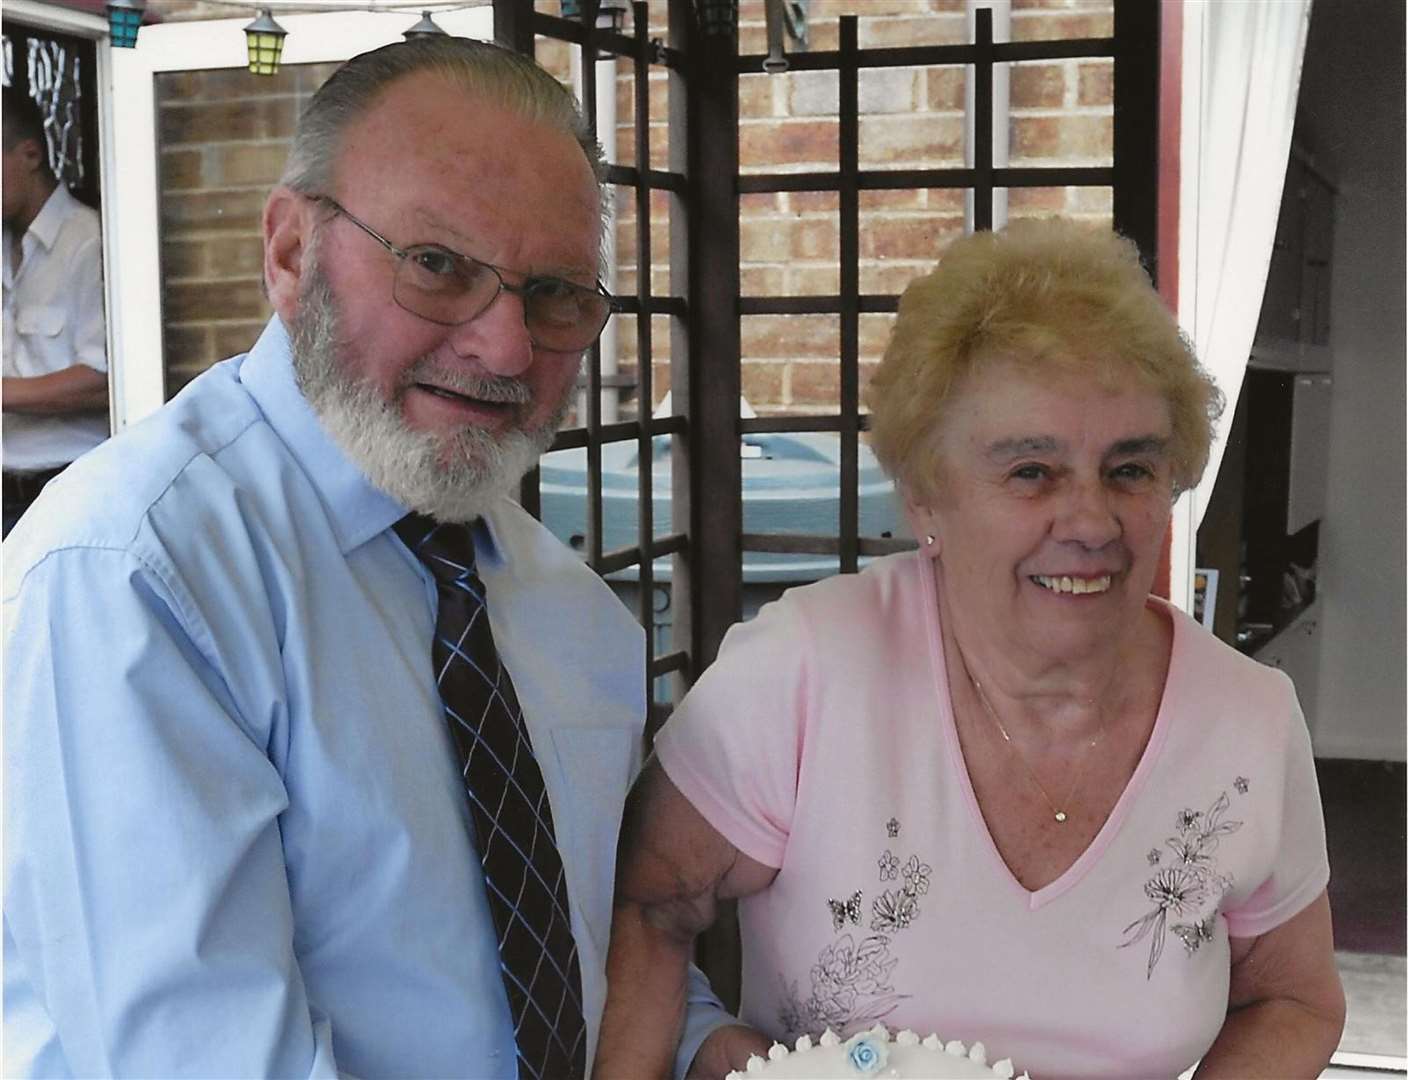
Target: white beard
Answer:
pixel 454 479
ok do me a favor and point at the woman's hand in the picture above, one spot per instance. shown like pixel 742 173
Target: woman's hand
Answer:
pixel 1285 1007
pixel 672 868
pixel 726 1050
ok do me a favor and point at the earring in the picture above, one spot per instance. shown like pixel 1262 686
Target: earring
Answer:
pixel 928 539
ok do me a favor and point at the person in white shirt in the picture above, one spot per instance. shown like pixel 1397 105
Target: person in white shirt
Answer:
pixel 55 390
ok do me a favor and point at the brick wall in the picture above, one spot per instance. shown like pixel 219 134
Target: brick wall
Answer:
pixel 1060 114
pixel 224 136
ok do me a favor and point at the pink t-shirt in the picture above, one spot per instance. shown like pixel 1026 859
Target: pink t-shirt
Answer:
pixel 822 743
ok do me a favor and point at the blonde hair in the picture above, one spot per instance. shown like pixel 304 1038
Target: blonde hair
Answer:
pixel 1043 293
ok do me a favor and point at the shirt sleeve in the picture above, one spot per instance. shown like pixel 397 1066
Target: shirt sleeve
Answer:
pixel 90 338
pixel 733 746
pixel 704 1014
pixel 1300 868
pixel 145 890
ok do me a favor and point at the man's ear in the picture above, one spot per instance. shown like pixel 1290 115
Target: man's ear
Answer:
pixel 288 238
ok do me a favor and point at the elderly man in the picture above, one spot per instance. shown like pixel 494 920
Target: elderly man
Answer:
pixel 316 744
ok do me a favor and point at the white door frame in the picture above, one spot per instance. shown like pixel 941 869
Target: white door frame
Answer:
pixel 131 220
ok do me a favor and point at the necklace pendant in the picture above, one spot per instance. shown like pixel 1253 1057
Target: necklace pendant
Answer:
pixel 1060 815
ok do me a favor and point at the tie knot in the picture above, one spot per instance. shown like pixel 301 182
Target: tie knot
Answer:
pixel 446 549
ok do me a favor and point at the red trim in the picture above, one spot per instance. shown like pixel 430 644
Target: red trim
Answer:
pixel 1170 135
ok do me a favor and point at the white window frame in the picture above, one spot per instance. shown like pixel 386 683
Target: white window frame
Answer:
pixel 128 137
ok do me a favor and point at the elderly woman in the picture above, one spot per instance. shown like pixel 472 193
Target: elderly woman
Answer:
pixel 993 788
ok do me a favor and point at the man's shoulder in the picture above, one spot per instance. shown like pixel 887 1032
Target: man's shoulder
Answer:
pixel 81 224
pixel 169 473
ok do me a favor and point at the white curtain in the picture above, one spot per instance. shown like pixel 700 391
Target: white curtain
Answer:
pixel 1242 62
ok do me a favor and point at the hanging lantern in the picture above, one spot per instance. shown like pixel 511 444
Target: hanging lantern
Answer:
pixel 265 39
pixel 427 27
pixel 124 20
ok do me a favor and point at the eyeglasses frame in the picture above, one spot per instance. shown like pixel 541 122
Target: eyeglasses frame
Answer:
pixel 523 291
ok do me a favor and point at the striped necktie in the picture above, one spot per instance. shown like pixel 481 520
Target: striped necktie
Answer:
pixel 523 872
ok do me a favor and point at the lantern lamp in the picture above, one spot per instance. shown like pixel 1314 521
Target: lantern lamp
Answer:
pixel 427 27
pixel 124 20
pixel 265 39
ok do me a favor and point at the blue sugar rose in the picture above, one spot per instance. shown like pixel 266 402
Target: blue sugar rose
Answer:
pixel 866 1054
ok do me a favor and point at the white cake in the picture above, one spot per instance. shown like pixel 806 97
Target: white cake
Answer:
pixel 875 1053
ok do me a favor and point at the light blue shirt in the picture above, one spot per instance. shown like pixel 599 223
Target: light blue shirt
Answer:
pixel 236 841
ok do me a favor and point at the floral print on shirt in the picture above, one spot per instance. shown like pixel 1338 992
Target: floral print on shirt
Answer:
pixel 851 989
pixel 1188 891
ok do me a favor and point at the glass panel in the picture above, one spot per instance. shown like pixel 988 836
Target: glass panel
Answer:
pixel 619 382
pixel 789 243
pixel 627 240
pixel 790 364
pixel 1062 113
pixel 790 486
pixel 881 510
pixel 623 239
pixel 664 329
pixel 624 152
pixel 881 23
pixel 787 122
pixel 1092 204
pixel 921 138
pixel 628 352
pixel 660 132
pixel 615 105
pixel 898 23
pixel 903 233
pixel 874 335
pixel 892 90
pixel 559 58
pixel 1053 20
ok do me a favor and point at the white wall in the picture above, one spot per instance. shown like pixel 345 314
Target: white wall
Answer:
pixel 1352 116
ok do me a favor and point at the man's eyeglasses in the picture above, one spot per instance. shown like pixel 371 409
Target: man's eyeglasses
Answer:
pixel 445 287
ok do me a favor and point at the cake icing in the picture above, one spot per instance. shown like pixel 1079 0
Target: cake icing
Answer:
pixel 875 1053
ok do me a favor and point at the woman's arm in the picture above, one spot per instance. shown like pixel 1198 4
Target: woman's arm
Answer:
pixel 672 869
pixel 1285 1008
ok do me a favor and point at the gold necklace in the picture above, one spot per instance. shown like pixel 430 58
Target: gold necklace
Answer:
pixel 1057 812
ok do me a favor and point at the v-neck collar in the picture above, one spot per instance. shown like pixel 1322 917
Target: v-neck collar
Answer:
pixel 1088 858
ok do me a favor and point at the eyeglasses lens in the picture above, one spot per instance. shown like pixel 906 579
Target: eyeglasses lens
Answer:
pixel 451 289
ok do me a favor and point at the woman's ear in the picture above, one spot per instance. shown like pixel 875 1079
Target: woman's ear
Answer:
pixel 288 233
pixel 923 522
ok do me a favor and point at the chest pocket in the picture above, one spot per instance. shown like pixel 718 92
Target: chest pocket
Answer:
pixel 41 321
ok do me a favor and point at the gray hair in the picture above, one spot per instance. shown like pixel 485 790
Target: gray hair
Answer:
pixel 483 69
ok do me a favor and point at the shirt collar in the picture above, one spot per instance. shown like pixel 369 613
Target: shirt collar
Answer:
pixel 488 551
pixel 357 509
pixel 51 217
